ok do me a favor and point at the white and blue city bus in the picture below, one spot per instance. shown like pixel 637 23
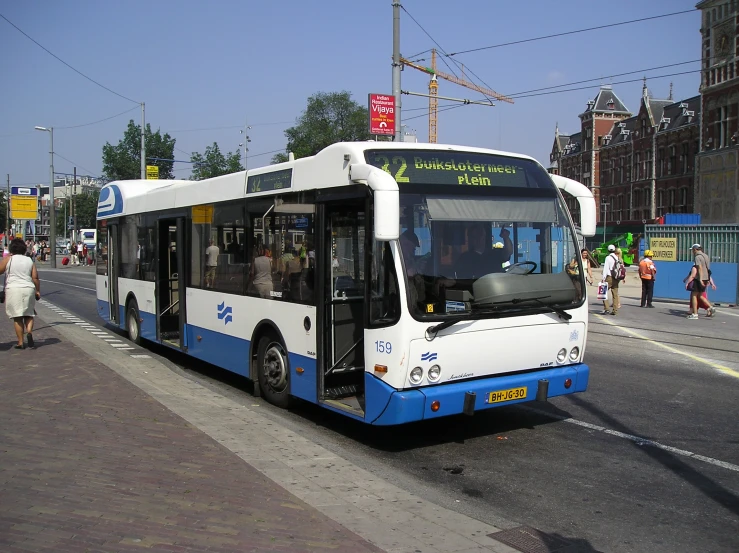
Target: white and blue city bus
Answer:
pixel 389 282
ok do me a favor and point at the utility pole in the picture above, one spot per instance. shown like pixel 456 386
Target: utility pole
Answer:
pixel 7 212
pixel 143 141
pixel 245 143
pixel 396 68
pixel 73 208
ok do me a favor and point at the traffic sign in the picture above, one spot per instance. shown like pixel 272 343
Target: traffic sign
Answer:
pixel 382 114
pixel 23 191
pixel 24 208
pixel 152 172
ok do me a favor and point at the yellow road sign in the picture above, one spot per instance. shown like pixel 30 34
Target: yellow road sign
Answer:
pixel 152 172
pixel 24 208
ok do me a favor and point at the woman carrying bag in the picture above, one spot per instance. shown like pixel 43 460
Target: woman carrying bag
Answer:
pixel 22 289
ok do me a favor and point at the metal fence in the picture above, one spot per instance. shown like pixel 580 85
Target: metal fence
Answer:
pixel 720 242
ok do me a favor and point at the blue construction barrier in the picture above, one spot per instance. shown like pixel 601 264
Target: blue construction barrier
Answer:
pixel 669 283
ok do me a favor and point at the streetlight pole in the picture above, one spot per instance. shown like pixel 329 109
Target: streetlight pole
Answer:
pixel 605 220
pixel 52 210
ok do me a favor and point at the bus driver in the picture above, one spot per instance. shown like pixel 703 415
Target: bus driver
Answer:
pixel 478 261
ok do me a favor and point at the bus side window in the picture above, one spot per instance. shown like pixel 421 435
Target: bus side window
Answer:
pixel 384 298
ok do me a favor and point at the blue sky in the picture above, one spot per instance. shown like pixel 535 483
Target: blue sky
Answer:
pixel 209 65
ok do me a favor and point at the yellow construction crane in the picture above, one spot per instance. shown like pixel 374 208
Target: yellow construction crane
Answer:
pixel 434 90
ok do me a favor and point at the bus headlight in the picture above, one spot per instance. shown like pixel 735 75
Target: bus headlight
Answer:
pixel 416 375
pixel 561 355
pixel 575 353
pixel 434 373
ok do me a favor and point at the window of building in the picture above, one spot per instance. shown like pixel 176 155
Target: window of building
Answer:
pixel 660 162
pixel 672 161
pixel 684 156
pixel 637 166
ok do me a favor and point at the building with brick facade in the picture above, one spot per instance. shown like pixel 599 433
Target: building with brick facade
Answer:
pixel 717 178
pixel 639 167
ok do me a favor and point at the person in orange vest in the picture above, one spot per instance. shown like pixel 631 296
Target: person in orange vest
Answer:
pixel 647 274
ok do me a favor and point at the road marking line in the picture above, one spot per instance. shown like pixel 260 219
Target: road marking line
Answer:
pixel 65 284
pixel 721 368
pixel 142 356
pixel 636 439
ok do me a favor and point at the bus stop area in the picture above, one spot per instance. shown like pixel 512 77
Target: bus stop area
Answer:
pixel 106 449
pixel 92 463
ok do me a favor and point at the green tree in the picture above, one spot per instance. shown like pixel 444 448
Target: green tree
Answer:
pixel 85 209
pixel 123 161
pixel 213 163
pixel 279 158
pixel 329 117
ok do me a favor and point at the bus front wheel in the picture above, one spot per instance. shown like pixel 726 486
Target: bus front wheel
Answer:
pixel 273 371
pixel 133 322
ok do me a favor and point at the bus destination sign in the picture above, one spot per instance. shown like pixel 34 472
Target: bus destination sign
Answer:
pixel 276 180
pixel 452 168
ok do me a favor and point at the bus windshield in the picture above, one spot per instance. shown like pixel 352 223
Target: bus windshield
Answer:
pixel 493 252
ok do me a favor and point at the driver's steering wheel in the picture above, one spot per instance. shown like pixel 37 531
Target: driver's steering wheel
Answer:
pixel 521 264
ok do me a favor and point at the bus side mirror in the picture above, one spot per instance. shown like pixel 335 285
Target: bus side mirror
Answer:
pixel 387 215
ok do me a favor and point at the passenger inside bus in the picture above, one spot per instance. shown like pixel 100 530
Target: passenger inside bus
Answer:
pixel 481 259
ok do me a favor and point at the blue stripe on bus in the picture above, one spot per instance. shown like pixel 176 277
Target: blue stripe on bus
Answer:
pixel 387 406
pixel 232 354
pixel 305 385
pixel 451 396
pixel 104 310
pixel 148 326
pixel 227 352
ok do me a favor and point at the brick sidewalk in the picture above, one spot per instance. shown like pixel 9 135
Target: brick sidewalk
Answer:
pixel 90 463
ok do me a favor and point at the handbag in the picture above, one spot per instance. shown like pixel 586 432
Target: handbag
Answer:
pixel 602 290
pixel 5 281
pixel 690 285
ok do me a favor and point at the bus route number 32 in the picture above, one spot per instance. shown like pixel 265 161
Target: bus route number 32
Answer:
pixel 383 347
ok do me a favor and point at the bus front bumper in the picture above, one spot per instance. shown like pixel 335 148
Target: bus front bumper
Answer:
pixel 402 406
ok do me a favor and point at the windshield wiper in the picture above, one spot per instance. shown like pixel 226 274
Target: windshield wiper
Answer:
pixel 434 330
pixel 558 310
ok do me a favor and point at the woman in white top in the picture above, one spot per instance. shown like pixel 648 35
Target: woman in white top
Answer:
pixel 22 289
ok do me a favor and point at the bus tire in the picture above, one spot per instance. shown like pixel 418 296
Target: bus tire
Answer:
pixel 273 371
pixel 133 322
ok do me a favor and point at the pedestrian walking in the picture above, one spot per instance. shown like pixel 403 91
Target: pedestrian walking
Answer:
pixel 613 273
pixel 586 265
pixel 22 289
pixel 697 282
pixel 647 274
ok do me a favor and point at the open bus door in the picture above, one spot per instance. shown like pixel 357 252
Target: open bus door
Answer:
pixel 113 261
pixel 341 302
pixel 170 283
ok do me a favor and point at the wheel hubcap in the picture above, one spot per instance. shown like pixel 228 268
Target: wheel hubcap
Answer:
pixel 274 369
pixel 132 326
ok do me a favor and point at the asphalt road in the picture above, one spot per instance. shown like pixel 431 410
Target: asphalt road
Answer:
pixel 646 460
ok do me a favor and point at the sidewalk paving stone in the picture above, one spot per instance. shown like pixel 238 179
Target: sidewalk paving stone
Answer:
pixel 89 462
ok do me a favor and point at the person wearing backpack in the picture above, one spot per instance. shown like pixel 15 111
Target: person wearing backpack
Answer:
pixel 614 272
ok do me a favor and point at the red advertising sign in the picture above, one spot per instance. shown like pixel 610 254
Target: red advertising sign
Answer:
pixel 382 114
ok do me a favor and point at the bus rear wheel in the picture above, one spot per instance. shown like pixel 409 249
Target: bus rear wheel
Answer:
pixel 273 372
pixel 133 322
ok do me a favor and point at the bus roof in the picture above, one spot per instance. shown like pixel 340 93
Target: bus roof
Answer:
pixel 332 163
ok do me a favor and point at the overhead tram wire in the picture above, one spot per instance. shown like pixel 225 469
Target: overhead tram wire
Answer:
pixel 57 154
pixel 100 121
pixel 617 82
pixel 234 126
pixel 518 94
pixel 65 63
pixel 566 33
pixel 458 64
